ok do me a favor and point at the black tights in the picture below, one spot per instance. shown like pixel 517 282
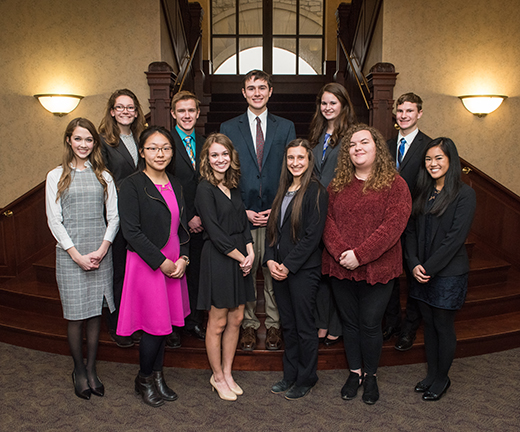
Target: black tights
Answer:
pixel 440 342
pixel 151 353
pixel 85 374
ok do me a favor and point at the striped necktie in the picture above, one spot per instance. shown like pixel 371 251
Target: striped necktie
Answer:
pixel 189 150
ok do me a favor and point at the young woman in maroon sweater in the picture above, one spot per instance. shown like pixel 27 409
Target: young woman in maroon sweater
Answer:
pixel 369 206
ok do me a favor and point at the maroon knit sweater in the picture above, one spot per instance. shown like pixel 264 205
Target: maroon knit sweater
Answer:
pixel 371 225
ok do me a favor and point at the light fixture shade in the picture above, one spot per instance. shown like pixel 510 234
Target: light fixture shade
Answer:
pixel 481 105
pixel 59 104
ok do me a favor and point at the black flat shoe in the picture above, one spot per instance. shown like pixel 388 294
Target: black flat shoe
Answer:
pixel 281 386
pixel 297 392
pixel 330 342
pixel 83 394
pixel 197 332
pixel 390 331
pixel 430 396
pixel 420 387
pixel 322 339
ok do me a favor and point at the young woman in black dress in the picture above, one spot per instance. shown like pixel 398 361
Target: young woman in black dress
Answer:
pixel 226 261
pixel 293 257
pixel 442 213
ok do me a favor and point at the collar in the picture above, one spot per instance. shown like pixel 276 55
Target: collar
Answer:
pixel 409 138
pixel 252 117
pixel 183 134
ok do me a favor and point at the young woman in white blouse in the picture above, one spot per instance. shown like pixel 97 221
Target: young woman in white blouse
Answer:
pixel 80 196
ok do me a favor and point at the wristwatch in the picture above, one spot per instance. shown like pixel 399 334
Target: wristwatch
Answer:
pixel 185 258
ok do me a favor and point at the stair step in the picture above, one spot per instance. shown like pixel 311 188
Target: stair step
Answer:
pixel 46 268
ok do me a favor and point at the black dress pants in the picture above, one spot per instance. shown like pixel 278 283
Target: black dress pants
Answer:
pixel 192 278
pixel 296 299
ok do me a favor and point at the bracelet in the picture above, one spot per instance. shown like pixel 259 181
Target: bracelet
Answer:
pixel 185 258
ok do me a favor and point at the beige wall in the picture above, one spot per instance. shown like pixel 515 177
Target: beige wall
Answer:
pixel 87 47
pixel 448 48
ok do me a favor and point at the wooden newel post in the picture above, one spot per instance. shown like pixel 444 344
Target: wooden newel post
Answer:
pixel 381 82
pixel 161 78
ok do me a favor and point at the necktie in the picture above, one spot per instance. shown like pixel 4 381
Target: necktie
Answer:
pixel 189 150
pixel 259 143
pixel 400 154
pixel 325 146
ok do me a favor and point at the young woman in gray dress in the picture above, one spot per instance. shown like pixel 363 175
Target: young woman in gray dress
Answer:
pixel 334 115
pixel 442 213
pixel 80 196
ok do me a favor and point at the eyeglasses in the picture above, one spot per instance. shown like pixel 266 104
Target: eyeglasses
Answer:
pixel 165 149
pixel 121 108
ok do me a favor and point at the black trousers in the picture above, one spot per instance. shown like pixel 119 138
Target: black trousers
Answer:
pixel 361 307
pixel 296 299
pixel 192 277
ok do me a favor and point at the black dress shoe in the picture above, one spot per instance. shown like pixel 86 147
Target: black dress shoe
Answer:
pixel 330 342
pixel 420 387
pixel 371 392
pixel 281 386
pixel 430 396
pixel 197 332
pixel 173 340
pixel 98 391
pixel 121 341
pixel 390 331
pixel 297 392
pixel 405 342
pixel 83 394
pixel 350 389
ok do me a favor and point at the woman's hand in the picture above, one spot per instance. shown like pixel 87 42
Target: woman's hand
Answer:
pixel 180 268
pixel 97 256
pixel 247 263
pixel 420 274
pixel 278 271
pixel 84 261
pixel 348 260
pixel 168 267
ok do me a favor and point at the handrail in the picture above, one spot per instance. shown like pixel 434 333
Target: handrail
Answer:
pixel 360 85
pixel 190 60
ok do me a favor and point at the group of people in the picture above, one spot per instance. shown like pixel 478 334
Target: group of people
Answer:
pixel 327 218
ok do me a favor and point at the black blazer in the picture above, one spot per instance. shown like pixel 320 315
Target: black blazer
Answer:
pixel 184 172
pixel 409 168
pixel 306 252
pixel 146 219
pixel 449 232
pixel 118 160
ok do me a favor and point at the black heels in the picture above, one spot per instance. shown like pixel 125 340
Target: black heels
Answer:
pixel 420 387
pixel 98 391
pixel 83 394
pixel 431 396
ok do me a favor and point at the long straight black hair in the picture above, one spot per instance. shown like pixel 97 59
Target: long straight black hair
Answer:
pixel 426 184
pixel 286 179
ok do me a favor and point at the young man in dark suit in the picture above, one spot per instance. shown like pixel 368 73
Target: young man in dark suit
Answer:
pixel 260 139
pixel 407 150
pixel 185 110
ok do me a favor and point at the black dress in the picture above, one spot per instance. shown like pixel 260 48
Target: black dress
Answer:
pixel 226 227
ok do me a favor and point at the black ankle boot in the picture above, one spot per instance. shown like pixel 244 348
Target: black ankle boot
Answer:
pixel 371 393
pixel 146 388
pixel 162 388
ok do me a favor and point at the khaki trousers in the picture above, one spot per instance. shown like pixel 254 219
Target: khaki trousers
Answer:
pixel 272 317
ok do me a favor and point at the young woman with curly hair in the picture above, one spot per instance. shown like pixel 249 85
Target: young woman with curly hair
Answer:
pixel 369 206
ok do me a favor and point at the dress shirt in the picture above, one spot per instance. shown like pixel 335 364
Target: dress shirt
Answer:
pixel 409 139
pixel 252 124
pixel 131 146
pixel 54 210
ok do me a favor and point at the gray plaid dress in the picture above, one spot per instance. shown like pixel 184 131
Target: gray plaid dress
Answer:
pixel 82 292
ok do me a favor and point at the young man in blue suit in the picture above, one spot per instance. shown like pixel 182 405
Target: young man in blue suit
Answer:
pixel 407 151
pixel 260 139
pixel 185 110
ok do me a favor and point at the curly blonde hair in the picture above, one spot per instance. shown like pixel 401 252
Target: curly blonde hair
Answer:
pixel 383 170
pixel 232 175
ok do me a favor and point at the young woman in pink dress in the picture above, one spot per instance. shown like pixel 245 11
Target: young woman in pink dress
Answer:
pixel 155 294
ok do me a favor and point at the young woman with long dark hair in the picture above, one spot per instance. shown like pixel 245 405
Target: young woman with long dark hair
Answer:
pixel 334 115
pixel 442 213
pixel 155 294
pixel 293 257
pixel 80 196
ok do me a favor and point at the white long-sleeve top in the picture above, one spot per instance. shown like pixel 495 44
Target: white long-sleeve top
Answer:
pixel 54 210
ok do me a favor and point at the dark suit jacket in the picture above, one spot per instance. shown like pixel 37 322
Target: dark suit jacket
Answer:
pixel 146 218
pixel 306 252
pixel 185 173
pixel 449 232
pixel 409 168
pixel 325 171
pixel 259 188
pixel 118 160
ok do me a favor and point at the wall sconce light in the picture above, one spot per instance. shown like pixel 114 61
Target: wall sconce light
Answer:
pixel 59 104
pixel 481 105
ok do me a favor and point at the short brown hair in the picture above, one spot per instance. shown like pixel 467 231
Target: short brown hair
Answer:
pixel 257 74
pixel 184 95
pixel 410 97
